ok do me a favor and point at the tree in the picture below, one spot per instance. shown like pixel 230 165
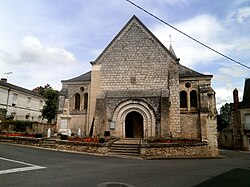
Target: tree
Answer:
pixel 50 108
pixel 224 118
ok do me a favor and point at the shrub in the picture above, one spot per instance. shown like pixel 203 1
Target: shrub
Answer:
pixel 64 137
pixel 101 140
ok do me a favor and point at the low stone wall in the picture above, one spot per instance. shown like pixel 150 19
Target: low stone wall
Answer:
pixel 31 128
pixel 153 150
pixel 21 140
pixel 178 150
pixel 100 148
pixel 86 148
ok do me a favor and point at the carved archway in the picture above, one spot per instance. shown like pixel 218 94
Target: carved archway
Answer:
pixel 141 107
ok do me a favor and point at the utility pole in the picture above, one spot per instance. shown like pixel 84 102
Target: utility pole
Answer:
pixel 7 102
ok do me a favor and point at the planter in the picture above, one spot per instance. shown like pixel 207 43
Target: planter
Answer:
pixel 64 137
pixel 101 140
pixel 38 135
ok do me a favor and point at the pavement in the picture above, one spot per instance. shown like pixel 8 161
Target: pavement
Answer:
pixel 56 168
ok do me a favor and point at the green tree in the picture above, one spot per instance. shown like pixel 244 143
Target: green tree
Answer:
pixel 50 108
pixel 224 118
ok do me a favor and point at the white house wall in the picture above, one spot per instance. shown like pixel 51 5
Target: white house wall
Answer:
pixel 20 109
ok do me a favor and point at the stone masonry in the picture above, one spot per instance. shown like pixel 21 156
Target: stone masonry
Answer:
pixel 137 88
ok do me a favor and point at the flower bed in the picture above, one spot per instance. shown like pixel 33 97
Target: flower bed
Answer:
pixel 18 135
pixel 85 139
pixel 161 140
pixel 92 140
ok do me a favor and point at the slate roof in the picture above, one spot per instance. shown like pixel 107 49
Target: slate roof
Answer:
pixel 172 51
pixel 183 72
pixel 246 95
pixel 83 77
pixel 187 72
pixel 20 89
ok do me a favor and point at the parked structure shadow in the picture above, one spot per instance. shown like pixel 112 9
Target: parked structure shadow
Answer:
pixel 235 177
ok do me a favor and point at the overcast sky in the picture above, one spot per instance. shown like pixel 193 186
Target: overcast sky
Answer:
pixel 46 41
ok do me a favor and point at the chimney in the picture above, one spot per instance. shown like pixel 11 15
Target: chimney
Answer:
pixel 4 80
pixel 236 99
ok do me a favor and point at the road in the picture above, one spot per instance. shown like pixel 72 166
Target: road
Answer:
pixel 26 166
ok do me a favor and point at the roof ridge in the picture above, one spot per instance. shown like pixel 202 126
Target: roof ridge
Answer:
pixel 83 77
pixel 18 88
pixel 121 31
pixel 188 72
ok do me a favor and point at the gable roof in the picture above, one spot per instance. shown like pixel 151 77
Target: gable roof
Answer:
pixel 187 72
pixel 183 70
pixel 246 95
pixel 134 19
pixel 172 50
pixel 19 89
pixel 83 77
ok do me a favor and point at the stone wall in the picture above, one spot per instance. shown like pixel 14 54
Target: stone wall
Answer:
pixel 190 126
pixel 74 122
pixel 136 61
pixel 58 145
pixel 198 150
pixel 194 150
pixel 33 128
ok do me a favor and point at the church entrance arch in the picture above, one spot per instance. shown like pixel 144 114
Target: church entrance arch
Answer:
pixel 133 119
pixel 134 125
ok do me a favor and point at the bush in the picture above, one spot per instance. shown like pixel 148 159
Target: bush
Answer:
pixel 38 135
pixel 64 137
pixel 101 140
pixel 18 126
pixel 3 112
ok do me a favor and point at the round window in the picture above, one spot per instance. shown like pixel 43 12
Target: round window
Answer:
pixel 187 84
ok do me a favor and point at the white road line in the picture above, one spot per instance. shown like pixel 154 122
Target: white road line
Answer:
pixel 31 167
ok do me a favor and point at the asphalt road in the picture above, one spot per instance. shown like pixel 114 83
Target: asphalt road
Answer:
pixel 26 166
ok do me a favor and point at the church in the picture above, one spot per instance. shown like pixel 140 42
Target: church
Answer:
pixel 137 88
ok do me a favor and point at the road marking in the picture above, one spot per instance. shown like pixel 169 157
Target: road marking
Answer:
pixel 31 167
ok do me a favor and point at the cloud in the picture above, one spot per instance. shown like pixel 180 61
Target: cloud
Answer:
pixel 7 57
pixel 226 79
pixel 243 14
pixel 31 50
pixel 205 28
pixel 217 35
pixel 224 95
pixel 163 2
pixel 230 71
pixel 36 64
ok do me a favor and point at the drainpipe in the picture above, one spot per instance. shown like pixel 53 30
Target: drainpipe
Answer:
pixel 199 115
pixel 7 102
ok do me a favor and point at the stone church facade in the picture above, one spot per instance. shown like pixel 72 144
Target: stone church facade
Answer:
pixel 138 89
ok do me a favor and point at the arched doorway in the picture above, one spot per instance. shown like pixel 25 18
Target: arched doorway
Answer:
pixel 134 125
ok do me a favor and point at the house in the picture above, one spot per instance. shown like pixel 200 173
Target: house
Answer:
pixel 20 103
pixel 137 88
pixel 237 134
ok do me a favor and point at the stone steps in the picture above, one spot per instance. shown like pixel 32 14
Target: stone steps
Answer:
pixel 49 143
pixel 125 147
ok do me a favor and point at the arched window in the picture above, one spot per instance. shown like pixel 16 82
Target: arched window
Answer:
pixel 85 106
pixel 77 101
pixel 193 98
pixel 183 99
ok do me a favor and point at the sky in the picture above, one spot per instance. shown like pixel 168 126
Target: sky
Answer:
pixel 46 41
